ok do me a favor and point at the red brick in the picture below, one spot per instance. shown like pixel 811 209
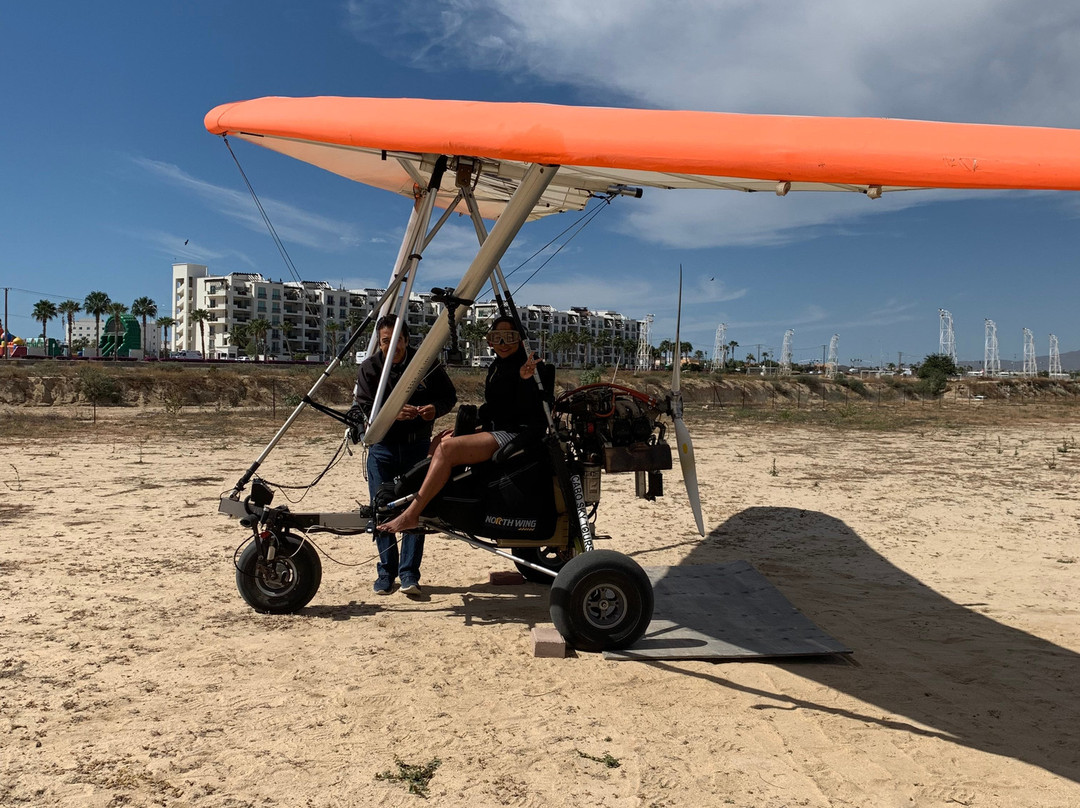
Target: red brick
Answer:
pixel 505 578
pixel 548 642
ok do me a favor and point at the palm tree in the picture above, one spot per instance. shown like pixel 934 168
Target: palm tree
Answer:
pixel 332 329
pixel 353 321
pixel 201 316
pixel 665 348
pixel 473 334
pixel 239 336
pixel 732 345
pixel 144 307
pixel 287 327
pixel 257 328
pixel 69 308
pixel 44 310
pixel 684 350
pixel 559 343
pixel 96 303
pixel 165 323
pixel 117 311
pixel 601 341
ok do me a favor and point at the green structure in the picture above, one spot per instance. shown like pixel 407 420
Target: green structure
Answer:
pixel 130 336
pixel 52 348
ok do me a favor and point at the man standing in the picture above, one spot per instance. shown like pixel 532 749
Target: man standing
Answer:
pixel 404 445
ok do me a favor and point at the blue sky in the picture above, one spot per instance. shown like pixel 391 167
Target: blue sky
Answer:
pixel 107 169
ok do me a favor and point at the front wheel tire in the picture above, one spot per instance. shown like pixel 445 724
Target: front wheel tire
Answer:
pixel 284 585
pixel 601 600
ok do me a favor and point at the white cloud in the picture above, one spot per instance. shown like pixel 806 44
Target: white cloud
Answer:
pixel 889 312
pixel 185 249
pixel 1005 61
pixel 293 225
pixel 994 61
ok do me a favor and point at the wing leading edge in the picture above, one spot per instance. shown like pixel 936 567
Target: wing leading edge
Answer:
pixel 392 144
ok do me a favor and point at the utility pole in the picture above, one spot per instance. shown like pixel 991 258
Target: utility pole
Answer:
pixel 7 328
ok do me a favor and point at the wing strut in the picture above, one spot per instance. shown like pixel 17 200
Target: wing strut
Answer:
pixel 533 184
pixel 481 235
pixel 419 223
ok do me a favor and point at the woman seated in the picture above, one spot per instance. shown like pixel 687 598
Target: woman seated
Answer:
pixel 513 404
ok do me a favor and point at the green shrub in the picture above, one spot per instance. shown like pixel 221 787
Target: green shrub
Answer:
pixel 98 387
pixel 932 384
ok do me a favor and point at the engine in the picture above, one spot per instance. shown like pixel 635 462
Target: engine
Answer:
pixel 615 427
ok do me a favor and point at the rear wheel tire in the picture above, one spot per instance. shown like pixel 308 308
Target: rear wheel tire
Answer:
pixel 284 585
pixel 601 601
pixel 554 558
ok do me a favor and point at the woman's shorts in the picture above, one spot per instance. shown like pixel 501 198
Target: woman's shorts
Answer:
pixel 503 438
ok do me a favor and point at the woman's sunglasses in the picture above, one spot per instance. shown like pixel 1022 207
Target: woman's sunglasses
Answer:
pixel 503 338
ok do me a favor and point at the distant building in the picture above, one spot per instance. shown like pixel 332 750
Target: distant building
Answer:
pixel 601 337
pixel 84 328
pixel 299 313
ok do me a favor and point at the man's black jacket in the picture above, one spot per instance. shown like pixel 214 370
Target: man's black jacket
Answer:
pixel 435 388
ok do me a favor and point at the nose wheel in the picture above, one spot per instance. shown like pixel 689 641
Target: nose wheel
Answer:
pixel 601 601
pixel 283 584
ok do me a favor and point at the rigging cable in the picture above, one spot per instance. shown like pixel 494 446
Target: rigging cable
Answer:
pixel 580 223
pixel 262 212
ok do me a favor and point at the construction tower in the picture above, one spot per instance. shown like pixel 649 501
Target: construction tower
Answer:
pixel 991 359
pixel 644 349
pixel 1055 359
pixel 946 336
pixel 785 353
pixel 719 351
pixel 832 366
pixel 1031 369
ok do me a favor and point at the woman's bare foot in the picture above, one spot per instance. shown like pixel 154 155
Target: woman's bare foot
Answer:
pixel 407 521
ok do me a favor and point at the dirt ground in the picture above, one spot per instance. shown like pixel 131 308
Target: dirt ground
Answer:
pixel 943 551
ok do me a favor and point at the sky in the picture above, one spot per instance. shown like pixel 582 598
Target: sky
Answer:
pixel 107 175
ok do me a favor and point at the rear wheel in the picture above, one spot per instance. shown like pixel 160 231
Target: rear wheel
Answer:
pixel 284 585
pixel 554 558
pixel 601 601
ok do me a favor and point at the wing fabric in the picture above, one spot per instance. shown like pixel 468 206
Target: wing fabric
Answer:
pixel 388 143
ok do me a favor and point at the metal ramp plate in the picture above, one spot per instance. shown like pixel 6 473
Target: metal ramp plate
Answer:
pixel 724 611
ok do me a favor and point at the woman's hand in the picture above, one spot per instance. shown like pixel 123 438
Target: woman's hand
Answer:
pixel 529 367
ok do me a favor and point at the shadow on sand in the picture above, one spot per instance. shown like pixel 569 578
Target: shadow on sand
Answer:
pixel 919 655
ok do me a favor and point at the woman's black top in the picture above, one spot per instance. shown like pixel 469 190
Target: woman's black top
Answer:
pixel 511 403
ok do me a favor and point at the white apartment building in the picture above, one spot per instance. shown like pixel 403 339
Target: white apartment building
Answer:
pixel 298 314
pixel 600 337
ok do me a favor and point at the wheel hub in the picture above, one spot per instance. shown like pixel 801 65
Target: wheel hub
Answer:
pixel 276 577
pixel 604 606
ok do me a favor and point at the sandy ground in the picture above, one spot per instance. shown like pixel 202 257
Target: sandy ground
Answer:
pixel 131 672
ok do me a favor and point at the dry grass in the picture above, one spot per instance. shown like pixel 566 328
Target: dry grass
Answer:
pixel 68 400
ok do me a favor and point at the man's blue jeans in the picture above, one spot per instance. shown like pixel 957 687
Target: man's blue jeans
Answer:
pixel 384 463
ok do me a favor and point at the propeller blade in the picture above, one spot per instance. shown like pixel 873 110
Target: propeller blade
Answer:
pixel 676 365
pixel 682 434
pixel 689 470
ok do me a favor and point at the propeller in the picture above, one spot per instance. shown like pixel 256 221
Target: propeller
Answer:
pixel 682 434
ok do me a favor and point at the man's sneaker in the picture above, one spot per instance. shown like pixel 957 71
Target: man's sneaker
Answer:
pixel 411 588
pixel 383 586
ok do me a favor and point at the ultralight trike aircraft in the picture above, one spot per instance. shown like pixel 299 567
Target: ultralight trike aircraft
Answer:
pixel 535 503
